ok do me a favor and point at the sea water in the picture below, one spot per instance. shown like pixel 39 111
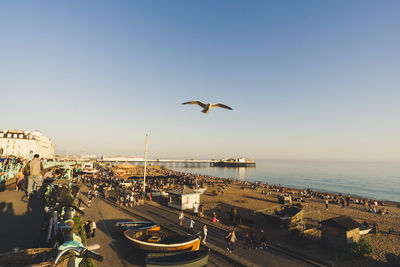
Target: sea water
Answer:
pixel 377 180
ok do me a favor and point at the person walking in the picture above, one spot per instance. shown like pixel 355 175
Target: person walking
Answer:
pixel 131 200
pixel 326 203
pixel 87 229
pixel 263 240
pixel 25 171
pixel 89 202
pixel 231 238
pixel 204 234
pixel 181 217
pixel 191 227
pixel 19 181
pixel 35 170
pixel 93 228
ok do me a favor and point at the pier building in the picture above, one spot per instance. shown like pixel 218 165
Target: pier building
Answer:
pixel 22 143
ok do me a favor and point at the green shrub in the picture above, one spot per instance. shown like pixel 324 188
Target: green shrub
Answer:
pixel 362 248
pixel 80 230
pixel 366 248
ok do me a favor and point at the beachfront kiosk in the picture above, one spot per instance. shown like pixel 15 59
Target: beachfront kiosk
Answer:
pixel 183 198
pixel 340 232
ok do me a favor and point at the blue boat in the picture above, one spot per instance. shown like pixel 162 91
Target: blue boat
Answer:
pixel 136 226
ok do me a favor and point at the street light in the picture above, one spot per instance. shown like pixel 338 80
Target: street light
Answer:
pixel 145 164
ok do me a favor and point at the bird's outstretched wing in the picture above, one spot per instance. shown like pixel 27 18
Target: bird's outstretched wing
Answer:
pixel 201 104
pixel 220 106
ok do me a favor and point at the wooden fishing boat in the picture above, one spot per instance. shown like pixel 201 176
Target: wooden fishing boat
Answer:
pixel 159 241
pixel 136 226
pixel 364 229
pixel 197 258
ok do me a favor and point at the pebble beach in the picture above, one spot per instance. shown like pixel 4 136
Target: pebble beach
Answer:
pixel 250 197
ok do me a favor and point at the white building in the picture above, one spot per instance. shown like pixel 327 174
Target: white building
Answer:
pixel 22 143
pixel 184 198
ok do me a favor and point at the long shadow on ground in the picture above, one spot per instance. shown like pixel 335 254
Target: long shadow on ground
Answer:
pixel 119 243
pixel 21 231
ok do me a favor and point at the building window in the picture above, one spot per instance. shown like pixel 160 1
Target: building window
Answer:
pixel 9 135
pixel 21 136
pixel 15 135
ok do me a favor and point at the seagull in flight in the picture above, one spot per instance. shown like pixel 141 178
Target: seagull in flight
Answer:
pixel 206 107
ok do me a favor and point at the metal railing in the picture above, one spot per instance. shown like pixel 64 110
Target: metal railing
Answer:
pixel 10 170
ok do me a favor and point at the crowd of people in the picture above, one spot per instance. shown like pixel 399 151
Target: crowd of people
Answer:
pixel 328 198
pixel 7 161
pixel 129 193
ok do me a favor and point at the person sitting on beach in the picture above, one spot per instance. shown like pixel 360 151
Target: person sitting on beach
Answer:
pixel 383 211
pixel 214 217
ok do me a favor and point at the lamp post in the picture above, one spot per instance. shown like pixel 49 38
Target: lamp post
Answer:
pixel 145 164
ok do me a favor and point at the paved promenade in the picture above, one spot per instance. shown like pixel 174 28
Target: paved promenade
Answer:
pixel 115 248
pixel 168 217
pixel 21 224
pixel 20 221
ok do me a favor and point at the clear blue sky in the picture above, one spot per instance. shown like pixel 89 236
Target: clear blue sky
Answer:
pixel 306 79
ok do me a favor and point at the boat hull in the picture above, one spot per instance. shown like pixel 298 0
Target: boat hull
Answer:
pixel 185 259
pixel 186 245
pixel 136 226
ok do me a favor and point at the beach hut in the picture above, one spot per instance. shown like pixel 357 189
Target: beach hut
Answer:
pixel 340 232
pixel 183 198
